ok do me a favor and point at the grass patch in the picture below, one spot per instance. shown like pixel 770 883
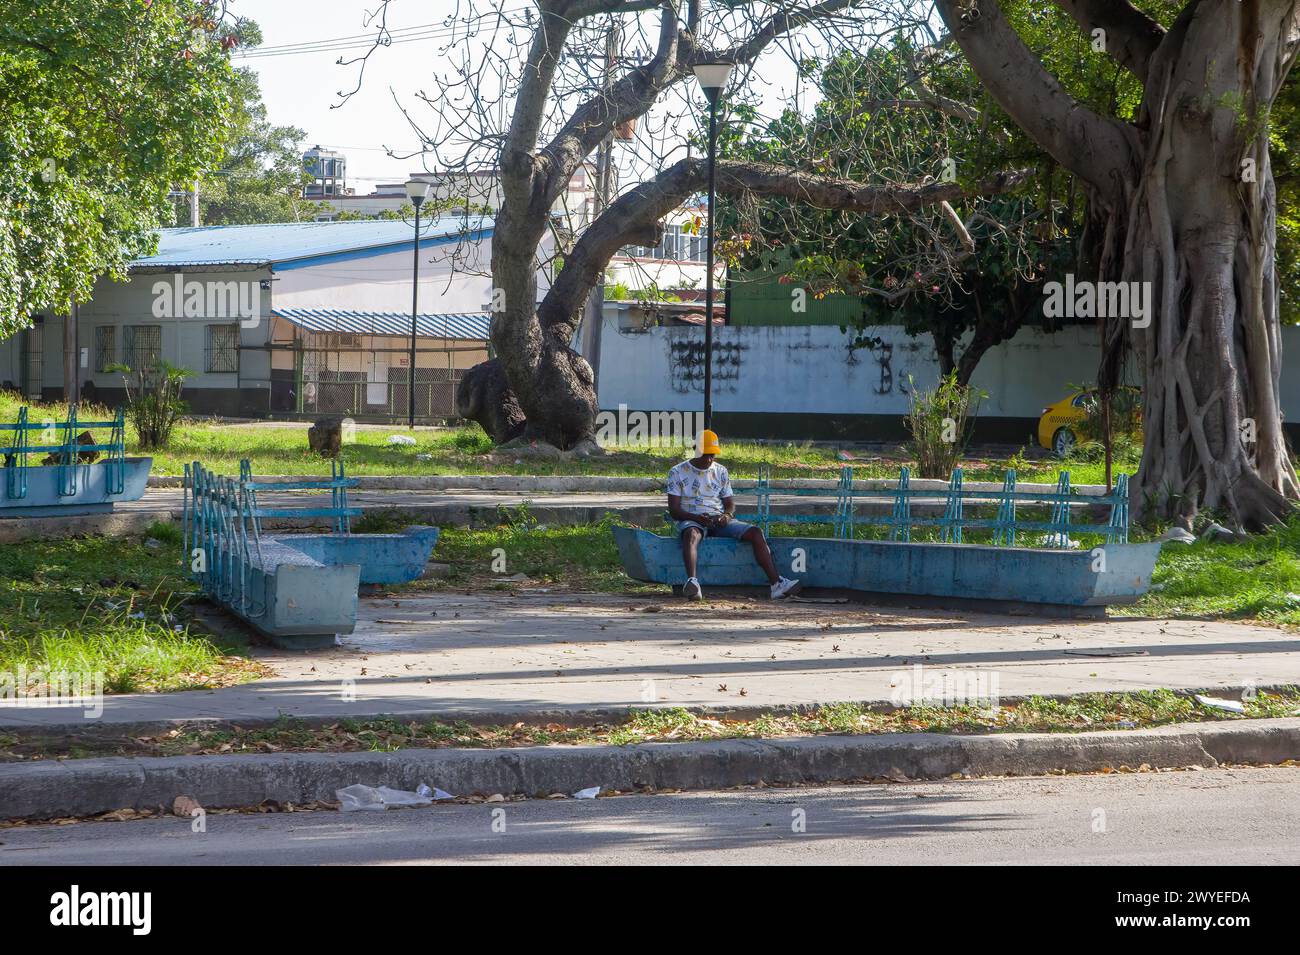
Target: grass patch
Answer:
pixel 1256 579
pixel 107 606
pixel 282 449
pixel 578 558
pixel 1091 711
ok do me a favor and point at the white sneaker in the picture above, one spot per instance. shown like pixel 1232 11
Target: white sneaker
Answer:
pixel 691 590
pixel 785 588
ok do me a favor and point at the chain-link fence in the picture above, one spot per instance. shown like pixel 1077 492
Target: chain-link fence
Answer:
pixel 375 383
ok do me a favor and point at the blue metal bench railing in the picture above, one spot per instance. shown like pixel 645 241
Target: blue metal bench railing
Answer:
pixel 338 511
pixel 222 525
pixel 1004 526
pixel 25 442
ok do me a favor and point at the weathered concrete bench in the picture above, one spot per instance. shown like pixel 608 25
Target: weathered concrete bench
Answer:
pixel 300 590
pixel 1058 576
pixel 297 601
pixel 1109 574
pixel 382 558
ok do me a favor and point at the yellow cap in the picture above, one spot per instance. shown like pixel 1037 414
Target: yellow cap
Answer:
pixel 709 443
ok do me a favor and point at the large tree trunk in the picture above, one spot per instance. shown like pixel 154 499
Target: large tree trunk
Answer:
pixel 1200 228
pixel 1186 194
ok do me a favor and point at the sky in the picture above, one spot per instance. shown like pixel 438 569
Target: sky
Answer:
pixel 301 83
pixel 301 87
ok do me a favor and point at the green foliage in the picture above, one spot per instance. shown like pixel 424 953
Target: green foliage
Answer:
pixel 910 269
pixel 1125 415
pixel 105 105
pixel 1284 153
pixel 153 401
pixel 941 422
pixel 472 440
pixel 262 176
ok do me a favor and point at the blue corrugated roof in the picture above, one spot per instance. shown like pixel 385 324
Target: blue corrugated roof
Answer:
pixel 295 241
pixel 471 326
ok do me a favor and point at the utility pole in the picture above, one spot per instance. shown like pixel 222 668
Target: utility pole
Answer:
pixel 194 204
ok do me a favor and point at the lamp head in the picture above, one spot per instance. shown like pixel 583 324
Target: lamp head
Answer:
pixel 713 78
pixel 417 190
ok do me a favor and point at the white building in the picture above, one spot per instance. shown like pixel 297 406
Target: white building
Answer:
pixel 288 318
pixel 676 266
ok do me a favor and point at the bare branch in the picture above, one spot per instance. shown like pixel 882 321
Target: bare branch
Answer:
pixel 638 211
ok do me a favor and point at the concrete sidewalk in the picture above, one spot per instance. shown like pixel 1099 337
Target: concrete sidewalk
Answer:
pixel 439 508
pixel 549 656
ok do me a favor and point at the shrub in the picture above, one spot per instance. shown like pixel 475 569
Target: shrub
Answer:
pixel 472 441
pixel 153 401
pixel 1125 416
pixel 941 421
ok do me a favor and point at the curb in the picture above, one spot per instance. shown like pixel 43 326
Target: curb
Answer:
pixel 576 715
pixel 49 789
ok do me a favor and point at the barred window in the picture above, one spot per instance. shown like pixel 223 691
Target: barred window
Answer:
pixel 221 353
pixel 105 347
pixel 143 346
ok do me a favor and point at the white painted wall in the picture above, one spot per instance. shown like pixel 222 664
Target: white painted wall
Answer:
pixel 811 369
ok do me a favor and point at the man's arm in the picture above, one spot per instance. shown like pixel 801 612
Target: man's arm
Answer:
pixel 679 514
pixel 728 510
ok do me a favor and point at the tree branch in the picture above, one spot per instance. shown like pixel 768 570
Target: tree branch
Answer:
pixel 639 210
pixel 629 97
pixel 1097 149
pixel 1132 37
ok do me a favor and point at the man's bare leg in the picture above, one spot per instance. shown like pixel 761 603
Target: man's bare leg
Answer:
pixel 762 554
pixel 690 549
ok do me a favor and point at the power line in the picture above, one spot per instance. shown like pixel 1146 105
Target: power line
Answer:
pixel 424 31
pixel 339 47
pixel 275 47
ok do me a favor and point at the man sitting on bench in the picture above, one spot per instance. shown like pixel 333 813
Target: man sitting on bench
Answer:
pixel 700 500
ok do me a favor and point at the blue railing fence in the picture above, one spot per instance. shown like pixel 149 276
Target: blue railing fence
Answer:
pixel 1005 525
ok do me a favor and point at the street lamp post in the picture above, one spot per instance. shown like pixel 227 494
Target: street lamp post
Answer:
pixel 416 190
pixel 712 78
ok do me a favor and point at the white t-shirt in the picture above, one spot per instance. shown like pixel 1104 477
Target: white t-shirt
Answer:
pixel 701 491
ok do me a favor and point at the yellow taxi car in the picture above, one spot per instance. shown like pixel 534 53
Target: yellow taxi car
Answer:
pixel 1056 430
pixel 1059 428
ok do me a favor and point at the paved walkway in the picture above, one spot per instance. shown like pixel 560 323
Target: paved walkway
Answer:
pixel 441 508
pixel 500 657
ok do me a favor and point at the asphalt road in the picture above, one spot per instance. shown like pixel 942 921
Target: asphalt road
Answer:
pixel 1212 817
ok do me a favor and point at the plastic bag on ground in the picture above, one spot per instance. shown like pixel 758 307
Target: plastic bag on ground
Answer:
pixel 358 797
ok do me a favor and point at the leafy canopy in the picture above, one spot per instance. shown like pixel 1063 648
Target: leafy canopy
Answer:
pixel 105 106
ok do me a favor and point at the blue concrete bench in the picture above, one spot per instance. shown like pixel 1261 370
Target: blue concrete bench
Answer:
pixel 298 589
pixel 70 486
pixel 1113 572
